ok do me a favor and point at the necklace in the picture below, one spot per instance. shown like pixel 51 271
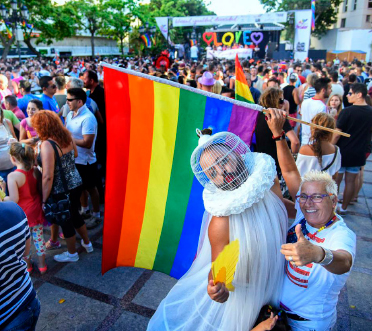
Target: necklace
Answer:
pixel 292 237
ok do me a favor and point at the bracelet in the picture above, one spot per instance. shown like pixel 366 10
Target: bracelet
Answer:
pixel 328 257
pixel 280 137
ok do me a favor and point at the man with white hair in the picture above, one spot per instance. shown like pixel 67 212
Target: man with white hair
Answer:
pixel 90 103
pixel 320 248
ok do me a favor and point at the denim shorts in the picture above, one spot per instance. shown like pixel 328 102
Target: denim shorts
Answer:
pixel 352 170
pixel 26 319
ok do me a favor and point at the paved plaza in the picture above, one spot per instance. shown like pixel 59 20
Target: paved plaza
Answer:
pixel 77 297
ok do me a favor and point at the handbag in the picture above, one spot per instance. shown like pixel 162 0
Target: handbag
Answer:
pixel 333 161
pixel 57 207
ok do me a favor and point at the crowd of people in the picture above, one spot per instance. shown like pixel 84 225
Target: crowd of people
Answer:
pixel 53 161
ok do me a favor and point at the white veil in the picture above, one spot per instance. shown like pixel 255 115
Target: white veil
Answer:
pixel 258 218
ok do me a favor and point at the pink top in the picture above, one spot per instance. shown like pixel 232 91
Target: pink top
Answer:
pixel 30 131
pixel 30 199
pixel 3 94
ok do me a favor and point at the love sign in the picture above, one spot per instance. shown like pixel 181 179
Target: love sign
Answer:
pixel 208 37
pixel 229 38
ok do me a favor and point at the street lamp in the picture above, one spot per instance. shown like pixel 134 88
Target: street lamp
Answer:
pixel 15 16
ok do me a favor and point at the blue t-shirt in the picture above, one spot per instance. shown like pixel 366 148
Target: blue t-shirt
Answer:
pixel 16 287
pixel 23 102
pixel 49 103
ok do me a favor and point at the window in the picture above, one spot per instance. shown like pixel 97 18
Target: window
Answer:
pixel 345 5
pixel 368 18
pixel 355 4
pixel 343 22
pixel 369 3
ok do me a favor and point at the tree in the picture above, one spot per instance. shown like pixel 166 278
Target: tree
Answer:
pixel 91 16
pixel 53 23
pixel 120 15
pixel 178 8
pixel 7 41
pixel 325 11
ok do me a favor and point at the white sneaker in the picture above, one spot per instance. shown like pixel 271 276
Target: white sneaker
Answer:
pixel 67 257
pixel 88 248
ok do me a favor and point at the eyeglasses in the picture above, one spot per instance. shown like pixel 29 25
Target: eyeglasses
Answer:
pixel 316 198
pixel 69 100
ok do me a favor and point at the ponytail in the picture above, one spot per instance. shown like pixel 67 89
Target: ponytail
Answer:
pixel 24 154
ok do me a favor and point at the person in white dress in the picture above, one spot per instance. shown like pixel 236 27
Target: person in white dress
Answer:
pixel 243 201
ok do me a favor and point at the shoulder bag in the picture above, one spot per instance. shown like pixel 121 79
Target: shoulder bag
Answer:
pixel 333 161
pixel 57 207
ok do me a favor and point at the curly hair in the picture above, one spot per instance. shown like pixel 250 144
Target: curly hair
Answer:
pixel 318 135
pixel 270 97
pixel 49 126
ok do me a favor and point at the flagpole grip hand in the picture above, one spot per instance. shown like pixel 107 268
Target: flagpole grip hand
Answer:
pixel 275 120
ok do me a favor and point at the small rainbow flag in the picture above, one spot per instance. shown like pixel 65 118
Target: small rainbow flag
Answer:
pixel 147 40
pixel 312 15
pixel 9 31
pixel 154 206
pixel 192 42
pixel 242 91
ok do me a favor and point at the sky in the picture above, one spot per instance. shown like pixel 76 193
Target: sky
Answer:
pixel 236 7
pixel 226 7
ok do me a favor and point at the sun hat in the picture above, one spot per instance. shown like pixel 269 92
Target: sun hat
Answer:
pixel 207 79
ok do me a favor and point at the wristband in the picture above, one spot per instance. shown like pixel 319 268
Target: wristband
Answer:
pixel 328 257
pixel 280 137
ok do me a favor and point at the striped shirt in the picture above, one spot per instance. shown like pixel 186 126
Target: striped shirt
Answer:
pixel 16 289
pixel 309 93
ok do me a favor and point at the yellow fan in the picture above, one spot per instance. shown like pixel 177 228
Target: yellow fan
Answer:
pixel 2 194
pixel 223 268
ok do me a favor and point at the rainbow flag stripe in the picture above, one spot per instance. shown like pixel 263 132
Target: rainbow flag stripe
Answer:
pixel 312 15
pixel 242 91
pixel 147 40
pixel 154 206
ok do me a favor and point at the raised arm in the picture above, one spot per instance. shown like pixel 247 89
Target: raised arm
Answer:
pixel 275 121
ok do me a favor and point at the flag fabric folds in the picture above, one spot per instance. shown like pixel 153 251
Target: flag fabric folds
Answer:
pixel 242 91
pixel 312 15
pixel 154 205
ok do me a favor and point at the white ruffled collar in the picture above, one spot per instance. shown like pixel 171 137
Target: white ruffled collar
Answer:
pixel 261 178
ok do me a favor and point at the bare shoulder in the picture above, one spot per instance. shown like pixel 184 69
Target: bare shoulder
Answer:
pixel 306 150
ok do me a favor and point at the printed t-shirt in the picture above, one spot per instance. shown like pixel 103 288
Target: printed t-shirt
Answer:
pixel 311 291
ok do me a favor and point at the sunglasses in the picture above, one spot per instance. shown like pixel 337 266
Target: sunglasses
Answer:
pixel 350 93
pixel 281 101
pixel 53 86
pixel 69 100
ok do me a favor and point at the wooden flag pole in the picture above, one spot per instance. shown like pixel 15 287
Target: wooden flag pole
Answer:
pixel 317 126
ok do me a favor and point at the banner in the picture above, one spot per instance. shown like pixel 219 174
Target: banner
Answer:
pixel 302 34
pixel 162 23
pixel 153 203
pixel 230 54
pixel 280 17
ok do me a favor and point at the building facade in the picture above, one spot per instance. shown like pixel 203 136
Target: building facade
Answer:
pixel 353 30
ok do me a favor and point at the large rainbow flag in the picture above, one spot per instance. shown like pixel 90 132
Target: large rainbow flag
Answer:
pixel 154 206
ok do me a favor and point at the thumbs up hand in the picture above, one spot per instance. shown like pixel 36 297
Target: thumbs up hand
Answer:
pixel 303 251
